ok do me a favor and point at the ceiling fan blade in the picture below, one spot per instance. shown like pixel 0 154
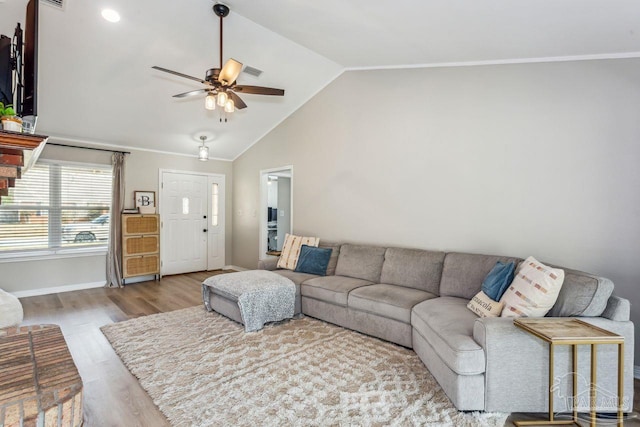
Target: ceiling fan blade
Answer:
pixel 230 72
pixel 175 73
pixel 259 90
pixel 191 93
pixel 237 101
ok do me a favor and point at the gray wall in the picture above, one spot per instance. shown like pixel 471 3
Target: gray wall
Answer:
pixel 141 173
pixel 531 159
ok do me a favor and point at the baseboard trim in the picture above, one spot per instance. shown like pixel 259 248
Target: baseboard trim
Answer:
pixel 234 267
pixel 636 372
pixel 57 289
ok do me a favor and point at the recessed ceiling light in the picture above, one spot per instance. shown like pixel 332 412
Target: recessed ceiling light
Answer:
pixel 110 15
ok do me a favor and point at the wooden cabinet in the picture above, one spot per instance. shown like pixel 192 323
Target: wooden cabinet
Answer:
pixel 140 245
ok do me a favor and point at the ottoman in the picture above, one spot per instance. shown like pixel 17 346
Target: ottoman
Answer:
pixel 251 298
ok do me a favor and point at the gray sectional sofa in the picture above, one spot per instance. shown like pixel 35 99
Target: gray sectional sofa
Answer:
pixel 417 298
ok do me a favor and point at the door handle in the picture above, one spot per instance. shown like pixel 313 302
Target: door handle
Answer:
pixel 204 230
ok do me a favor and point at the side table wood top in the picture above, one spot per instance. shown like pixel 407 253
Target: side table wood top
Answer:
pixel 567 331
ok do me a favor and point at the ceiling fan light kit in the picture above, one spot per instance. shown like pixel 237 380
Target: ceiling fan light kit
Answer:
pixel 220 83
pixel 210 101
pixel 229 106
pixel 222 98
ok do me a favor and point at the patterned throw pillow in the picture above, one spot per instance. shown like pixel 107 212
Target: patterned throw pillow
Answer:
pixel 533 291
pixel 291 250
pixel 484 306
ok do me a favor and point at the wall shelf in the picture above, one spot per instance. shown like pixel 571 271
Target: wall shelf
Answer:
pixel 18 152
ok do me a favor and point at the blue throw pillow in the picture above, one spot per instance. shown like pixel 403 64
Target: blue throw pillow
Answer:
pixel 498 280
pixel 313 260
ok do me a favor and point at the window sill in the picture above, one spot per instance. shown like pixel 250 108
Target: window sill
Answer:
pixel 51 254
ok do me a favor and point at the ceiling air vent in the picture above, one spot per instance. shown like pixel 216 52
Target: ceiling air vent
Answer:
pixel 252 71
pixel 58 4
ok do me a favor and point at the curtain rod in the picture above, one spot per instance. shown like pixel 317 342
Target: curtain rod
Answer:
pixel 86 148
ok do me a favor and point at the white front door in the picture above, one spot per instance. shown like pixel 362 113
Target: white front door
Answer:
pixel 184 202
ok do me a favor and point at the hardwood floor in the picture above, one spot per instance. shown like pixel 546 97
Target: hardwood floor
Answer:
pixel 112 396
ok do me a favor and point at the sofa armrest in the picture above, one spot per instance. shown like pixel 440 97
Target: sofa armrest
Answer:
pixel 517 367
pixel 618 309
pixel 268 264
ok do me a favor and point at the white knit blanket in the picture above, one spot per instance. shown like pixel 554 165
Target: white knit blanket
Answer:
pixel 263 296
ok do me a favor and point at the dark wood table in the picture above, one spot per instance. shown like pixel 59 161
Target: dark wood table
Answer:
pixel 39 382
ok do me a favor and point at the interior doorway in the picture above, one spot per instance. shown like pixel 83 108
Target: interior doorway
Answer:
pixel 192 236
pixel 276 209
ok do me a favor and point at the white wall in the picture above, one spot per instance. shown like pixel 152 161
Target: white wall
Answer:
pixel 141 173
pixel 531 159
pixel 12 12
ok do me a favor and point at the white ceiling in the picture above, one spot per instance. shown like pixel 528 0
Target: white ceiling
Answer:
pixel 97 85
pixel 96 82
pixel 366 33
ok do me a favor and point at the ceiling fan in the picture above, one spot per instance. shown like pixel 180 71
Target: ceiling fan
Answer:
pixel 220 83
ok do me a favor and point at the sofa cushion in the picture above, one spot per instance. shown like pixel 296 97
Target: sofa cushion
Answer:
pixel 447 325
pixel 335 252
pixel 295 276
pixel 582 294
pixel 333 289
pixel 392 301
pixel 361 262
pixel 463 274
pixel 413 268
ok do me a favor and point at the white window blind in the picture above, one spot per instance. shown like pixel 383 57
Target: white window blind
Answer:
pixel 57 206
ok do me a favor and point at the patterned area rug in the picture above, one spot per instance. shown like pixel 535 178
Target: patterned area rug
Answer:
pixel 202 369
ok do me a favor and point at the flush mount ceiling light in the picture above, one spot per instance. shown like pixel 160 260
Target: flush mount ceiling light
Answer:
pixel 110 15
pixel 220 83
pixel 203 150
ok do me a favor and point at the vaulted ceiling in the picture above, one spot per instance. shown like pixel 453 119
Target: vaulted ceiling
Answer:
pixel 97 85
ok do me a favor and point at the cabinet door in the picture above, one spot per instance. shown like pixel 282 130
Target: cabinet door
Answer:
pixel 140 224
pixel 141 265
pixel 142 244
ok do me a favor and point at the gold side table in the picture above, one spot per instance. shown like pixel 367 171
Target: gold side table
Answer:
pixel 574 332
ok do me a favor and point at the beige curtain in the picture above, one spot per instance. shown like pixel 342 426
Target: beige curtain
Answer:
pixel 114 254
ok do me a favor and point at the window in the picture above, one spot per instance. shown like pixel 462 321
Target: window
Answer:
pixel 214 204
pixel 57 206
